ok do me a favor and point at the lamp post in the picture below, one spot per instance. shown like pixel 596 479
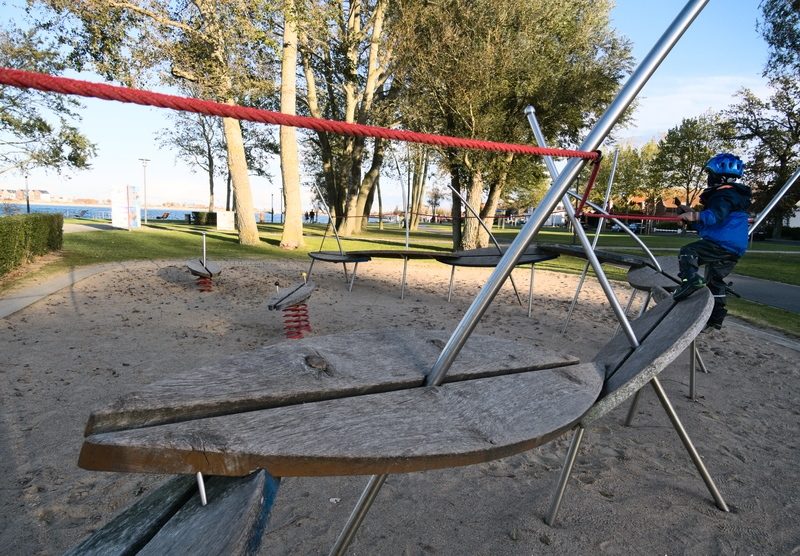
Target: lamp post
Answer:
pixel 144 162
pixel 272 210
pixel 27 194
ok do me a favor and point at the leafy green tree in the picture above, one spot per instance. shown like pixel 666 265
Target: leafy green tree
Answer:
pixel 769 131
pixel 37 129
pixel 225 49
pixel 781 29
pixel 685 149
pixel 469 67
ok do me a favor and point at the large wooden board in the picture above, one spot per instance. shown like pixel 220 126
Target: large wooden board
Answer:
pixel 488 257
pixel 610 257
pixel 646 278
pixel 292 295
pixel 407 430
pixel 316 368
pixel 336 257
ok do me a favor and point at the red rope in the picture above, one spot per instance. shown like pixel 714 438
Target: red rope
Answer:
pixel 632 217
pixel 590 185
pixel 49 83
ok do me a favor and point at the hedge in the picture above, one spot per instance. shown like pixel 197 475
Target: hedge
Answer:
pixel 25 236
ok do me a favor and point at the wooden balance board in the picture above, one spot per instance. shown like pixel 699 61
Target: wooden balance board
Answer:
pixel 197 268
pixel 345 404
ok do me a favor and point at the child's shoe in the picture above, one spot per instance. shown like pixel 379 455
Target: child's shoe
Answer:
pixel 688 287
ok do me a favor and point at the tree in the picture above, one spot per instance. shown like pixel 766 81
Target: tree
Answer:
pixel 781 29
pixel 224 48
pixel 435 196
pixel 345 63
pixel 292 236
pixel 769 131
pixel 35 128
pixel 683 152
pixel 469 67
pixel 198 141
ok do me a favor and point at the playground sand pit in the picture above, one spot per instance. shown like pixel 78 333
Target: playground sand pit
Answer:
pixel 634 489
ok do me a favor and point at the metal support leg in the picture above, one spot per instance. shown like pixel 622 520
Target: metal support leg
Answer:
pixel 346 278
pixel 403 283
pixel 687 443
pixel 627 309
pixel 632 410
pixel 353 278
pixel 692 371
pixel 310 268
pixel 450 291
pixel 357 516
pixel 555 504
pixel 530 292
pixel 700 361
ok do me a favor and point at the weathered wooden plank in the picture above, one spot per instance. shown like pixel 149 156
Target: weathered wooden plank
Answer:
pixel 315 368
pixel 646 278
pixel 610 257
pixel 286 297
pixel 487 257
pixel 336 257
pixel 667 340
pixel 232 523
pixel 408 430
pixel 133 528
pixel 197 268
pixel 397 253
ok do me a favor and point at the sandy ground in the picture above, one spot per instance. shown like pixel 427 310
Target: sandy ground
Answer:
pixel 633 491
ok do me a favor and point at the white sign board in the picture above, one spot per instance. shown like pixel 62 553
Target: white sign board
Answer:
pixel 225 221
pixel 125 207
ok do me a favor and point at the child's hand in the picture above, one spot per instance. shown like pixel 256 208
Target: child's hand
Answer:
pixel 690 216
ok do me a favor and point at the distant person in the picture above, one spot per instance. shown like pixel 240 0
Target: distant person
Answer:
pixel 722 226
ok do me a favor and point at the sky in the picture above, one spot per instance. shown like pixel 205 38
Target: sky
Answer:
pixel 718 55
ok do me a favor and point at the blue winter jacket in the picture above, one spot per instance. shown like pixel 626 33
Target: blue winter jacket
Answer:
pixel 723 219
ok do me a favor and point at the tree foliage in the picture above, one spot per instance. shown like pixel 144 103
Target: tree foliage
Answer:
pixel 37 129
pixel 469 67
pixel 781 29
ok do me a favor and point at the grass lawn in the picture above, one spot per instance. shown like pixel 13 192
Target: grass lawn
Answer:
pixel 177 240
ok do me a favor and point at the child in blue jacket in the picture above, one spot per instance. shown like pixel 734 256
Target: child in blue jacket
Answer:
pixel 722 226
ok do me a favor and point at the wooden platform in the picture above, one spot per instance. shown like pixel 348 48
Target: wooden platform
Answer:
pixel 646 278
pixel 209 270
pixel 336 257
pixel 609 257
pixel 489 257
pixel 342 405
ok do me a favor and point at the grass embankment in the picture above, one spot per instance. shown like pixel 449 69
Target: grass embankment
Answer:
pixel 174 240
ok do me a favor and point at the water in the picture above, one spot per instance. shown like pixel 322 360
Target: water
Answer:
pixel 104 212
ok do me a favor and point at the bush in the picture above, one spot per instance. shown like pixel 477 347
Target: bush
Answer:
pixel 790 233
pixel 25 236
pixel 204 218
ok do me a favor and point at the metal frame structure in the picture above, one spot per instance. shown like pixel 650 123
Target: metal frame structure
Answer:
pixel 517 248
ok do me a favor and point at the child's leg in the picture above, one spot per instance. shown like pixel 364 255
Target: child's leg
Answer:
pixel 716 271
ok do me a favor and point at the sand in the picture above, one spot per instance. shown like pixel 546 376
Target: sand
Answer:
pixel 634 489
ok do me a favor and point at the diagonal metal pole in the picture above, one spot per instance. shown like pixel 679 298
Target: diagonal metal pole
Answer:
pixel 517 248
pixel 588 249
pixel 596 238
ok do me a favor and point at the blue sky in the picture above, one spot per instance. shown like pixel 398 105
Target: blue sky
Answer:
pixel 719 54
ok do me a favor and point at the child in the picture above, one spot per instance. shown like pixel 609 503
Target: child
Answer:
pixel 722 226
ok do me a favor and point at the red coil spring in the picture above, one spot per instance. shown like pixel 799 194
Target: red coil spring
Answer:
pixel 296 321
pixel 204 284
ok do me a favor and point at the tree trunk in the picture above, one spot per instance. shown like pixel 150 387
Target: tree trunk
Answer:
pixel 419 176
pixel 493 200
pixel 470 240
pixel 210 182
pixel 369 181
pixel 292 236
pixel 242 195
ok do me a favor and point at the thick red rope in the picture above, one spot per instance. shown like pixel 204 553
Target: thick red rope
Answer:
pixel 49 83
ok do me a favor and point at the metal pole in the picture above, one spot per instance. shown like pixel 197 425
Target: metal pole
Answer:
pixel 144 179
pixel 594 245
pixel 692 371
pixel 357 516
pixel 687 443
pixel 331 223
pixel 27 195
pixel 588 249
pixel 774 201
pixel 204 249
pixel 569 462
pixel 482 301
pixel 595 138
pixel 272 209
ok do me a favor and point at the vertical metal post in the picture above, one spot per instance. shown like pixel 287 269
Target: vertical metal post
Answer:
pixel 357 516
pixel 692 370
pixel 204 249
pixel 144 179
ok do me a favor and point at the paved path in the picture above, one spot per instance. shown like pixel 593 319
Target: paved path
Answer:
pixel 774 294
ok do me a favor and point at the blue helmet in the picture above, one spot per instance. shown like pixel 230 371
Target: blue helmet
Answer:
pixel 725 164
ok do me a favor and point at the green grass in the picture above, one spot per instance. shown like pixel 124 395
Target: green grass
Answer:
pixel 176 240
